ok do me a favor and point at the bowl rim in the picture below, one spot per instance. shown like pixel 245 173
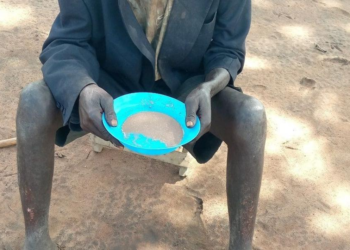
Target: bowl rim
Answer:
pixel 118 99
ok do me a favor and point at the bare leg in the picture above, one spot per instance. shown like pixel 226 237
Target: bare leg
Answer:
pixel 37 122
pixel 240 121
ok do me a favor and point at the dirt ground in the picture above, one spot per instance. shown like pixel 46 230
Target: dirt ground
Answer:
pixel 298 65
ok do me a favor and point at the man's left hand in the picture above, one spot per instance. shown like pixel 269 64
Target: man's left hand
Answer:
pixel 198 102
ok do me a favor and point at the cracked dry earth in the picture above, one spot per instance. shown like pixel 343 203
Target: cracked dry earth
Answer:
pixel 297 64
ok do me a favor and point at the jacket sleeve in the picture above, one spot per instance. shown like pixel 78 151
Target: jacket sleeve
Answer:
pixel 227 49
pixel 69 61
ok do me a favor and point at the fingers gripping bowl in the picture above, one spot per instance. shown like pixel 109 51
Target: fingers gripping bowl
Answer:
pixel 151 124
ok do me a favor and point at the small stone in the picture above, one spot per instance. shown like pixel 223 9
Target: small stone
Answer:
pixel 306 82
pixel 59 155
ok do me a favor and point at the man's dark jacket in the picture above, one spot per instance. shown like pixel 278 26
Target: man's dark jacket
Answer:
pixel 93 35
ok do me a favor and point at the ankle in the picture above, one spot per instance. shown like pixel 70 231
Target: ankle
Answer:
pixel 37 241
pixel 38 235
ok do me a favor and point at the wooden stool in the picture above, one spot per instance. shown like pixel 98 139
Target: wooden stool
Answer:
pixel 180 157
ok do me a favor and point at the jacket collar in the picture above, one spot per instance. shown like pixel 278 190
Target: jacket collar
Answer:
pixel 135 31
pixel 185 22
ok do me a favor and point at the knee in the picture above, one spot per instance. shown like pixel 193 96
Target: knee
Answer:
pixel 36 108
pixel 247 121
pixel 252 113
pixel 35 92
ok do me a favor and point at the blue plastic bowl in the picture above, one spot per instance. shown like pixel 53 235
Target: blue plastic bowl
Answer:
pixel 131 104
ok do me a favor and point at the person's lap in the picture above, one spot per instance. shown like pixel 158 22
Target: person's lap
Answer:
pixel 205 147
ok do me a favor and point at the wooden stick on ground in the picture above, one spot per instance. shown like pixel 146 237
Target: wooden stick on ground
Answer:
pixel 8 143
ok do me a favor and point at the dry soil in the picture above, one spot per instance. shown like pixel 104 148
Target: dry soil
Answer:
pixel 298 65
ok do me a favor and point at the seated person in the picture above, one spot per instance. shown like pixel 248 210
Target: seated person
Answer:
pixel 99 50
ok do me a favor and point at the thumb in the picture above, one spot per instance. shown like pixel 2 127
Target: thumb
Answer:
pixel 108 108
pixel 191 111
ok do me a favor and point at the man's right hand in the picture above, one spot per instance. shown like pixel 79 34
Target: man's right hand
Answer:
pixel 93 101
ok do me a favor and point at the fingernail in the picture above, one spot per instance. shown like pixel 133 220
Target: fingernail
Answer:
pixel 118 146
pixel 190 124
pixel 114 123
